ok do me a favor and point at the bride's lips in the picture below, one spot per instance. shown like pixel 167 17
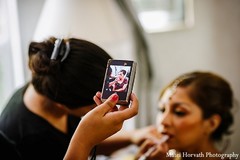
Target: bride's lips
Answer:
pixel 168 134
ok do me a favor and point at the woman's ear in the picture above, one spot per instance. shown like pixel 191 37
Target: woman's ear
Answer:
pixel 212 123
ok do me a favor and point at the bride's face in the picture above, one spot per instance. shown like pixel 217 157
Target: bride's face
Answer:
pixel 120 75
pixel 181 119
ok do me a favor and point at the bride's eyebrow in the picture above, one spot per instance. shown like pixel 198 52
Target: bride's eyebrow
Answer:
pixel 183 104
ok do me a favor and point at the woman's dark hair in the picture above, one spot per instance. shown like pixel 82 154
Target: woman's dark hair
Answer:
pixel 74 81
pixel 123 71
pixel 213 94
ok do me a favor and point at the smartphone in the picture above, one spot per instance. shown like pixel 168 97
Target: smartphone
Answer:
pixel 119 78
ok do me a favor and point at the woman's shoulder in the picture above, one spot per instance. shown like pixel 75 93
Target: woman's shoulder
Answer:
pixel 8 148
pixel 13 110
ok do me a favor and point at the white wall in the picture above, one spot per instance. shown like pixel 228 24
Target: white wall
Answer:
pixel 212 44
pixel 29 12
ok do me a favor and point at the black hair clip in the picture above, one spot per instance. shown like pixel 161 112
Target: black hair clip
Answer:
pixel 60 50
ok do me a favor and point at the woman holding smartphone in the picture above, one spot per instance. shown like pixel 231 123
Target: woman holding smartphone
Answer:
pixel 41 117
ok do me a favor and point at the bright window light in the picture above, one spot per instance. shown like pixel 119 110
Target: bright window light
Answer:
pixel 164 15
pixel 148 19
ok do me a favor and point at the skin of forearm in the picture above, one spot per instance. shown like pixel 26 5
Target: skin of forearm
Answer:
pixel 118 90
pixel 81 154
pixel 79 150
pixel 115 142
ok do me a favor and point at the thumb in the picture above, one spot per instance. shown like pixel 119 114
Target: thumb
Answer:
pixel 109 104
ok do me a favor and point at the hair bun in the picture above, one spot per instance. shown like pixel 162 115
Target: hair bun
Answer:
pixel 33 48
pixel 39 61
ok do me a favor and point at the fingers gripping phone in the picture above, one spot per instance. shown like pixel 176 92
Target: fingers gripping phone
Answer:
pixel 119 78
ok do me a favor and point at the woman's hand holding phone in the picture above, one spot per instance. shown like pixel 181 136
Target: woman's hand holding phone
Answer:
pixel 98 124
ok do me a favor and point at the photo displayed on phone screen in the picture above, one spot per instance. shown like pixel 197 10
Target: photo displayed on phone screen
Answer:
pixel 119 79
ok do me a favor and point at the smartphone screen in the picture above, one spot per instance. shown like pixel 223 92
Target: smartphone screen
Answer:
pixel 119 78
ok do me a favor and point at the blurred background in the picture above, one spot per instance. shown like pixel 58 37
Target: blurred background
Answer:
pixel 166 38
